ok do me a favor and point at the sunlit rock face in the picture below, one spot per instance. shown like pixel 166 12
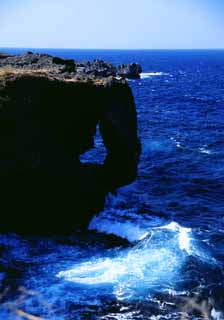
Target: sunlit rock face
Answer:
pixel 46 123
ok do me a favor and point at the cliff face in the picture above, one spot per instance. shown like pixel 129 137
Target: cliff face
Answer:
pixel 46 123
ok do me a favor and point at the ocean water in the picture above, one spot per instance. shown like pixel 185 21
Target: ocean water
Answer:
pixel 157 249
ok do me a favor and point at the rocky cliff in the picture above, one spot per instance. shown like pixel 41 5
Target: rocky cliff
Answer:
pixel 69 67
pixel 47 120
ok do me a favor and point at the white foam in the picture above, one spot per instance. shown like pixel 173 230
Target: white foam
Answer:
pixel 124 223
pixel 217 315
pixel 204 150
pixel 145 75
pixel 178 144
pixel 126 230
pixel 101 271
pixel 183 235
pixel 155 260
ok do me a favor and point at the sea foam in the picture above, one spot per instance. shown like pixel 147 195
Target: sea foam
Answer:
pixel 145 75
pixel 153 261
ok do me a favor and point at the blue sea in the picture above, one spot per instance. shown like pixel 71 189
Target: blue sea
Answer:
pixel 157 249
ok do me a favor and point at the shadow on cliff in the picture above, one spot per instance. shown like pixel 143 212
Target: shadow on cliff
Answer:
pixel 45 125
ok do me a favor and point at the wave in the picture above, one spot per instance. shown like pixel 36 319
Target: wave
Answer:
pixel 156 262
pixel 204 150
pixel 153 261
pixel 124 222
pixel 127 230
pixel 145 75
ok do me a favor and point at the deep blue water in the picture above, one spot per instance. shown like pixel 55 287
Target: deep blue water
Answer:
pixel 172 215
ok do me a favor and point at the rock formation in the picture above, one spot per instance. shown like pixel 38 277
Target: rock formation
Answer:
pixel 130 71
pixel 100 68
pixel 48 118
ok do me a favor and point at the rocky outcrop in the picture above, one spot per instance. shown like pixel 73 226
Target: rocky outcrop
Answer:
pixel 130 71
pixel 4 55
pixel 64 67
pixel 47 120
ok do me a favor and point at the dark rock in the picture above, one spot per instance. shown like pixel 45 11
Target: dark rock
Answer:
pixel 97 68
pixel 58 60
pixel 130 71
pixel 4 55
pixel 27 60
pixel 46 123
pixel 69 64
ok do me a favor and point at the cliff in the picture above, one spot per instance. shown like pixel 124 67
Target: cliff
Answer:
pixel 69 67
pixel 47 120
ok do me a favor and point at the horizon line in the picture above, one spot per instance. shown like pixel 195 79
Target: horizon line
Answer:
pixel 115 49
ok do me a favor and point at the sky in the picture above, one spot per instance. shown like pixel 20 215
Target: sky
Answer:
pixel 112 24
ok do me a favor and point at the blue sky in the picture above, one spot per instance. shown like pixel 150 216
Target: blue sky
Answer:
pixel 112 24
